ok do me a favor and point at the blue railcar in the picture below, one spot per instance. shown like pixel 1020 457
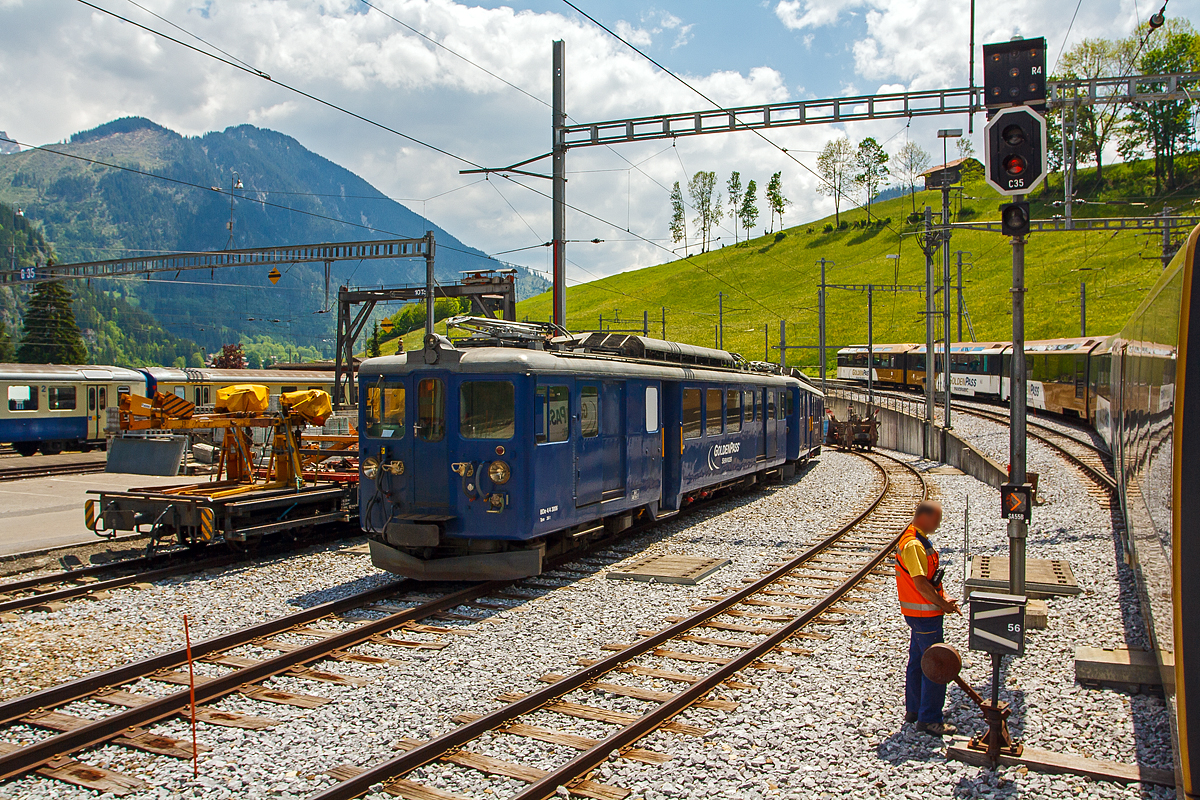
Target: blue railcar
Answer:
pixel 481 458
pixel 53 407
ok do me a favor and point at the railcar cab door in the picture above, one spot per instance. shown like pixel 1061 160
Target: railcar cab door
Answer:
pixel 589 444
pixel 97 409
pixel 428 444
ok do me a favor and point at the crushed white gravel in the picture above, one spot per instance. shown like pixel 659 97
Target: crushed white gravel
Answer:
pixel 831 728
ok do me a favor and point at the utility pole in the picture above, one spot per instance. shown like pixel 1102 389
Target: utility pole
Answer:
pixel 959 304
pixel 236 183
pixel 782 345
pixel 664 321
pixel 870 349
pixel 1069 168
pixel 19 213
pixel 766 342
pixel 929 312
pixel 1167 236
pixel 821 322
pixel 971 82
pixel 645 323
pixel 559 183
pixel 720 320
pixel 947 370
pixel 1018 530
pixel 1082 308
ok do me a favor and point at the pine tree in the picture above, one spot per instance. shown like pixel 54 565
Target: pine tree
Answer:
pixel 7 352
pixel 49 334
pixel 373 349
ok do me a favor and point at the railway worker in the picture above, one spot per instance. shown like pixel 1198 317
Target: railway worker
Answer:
pixel 923 604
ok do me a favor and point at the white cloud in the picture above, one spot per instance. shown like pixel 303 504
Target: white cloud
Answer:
pixel 638 36
pixel 799 14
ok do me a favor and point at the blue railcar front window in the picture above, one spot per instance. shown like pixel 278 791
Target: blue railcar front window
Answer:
pixel 385 412
pixel 487 410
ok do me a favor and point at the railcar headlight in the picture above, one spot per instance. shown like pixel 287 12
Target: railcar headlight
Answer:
pixel 499 472
pixel 371 468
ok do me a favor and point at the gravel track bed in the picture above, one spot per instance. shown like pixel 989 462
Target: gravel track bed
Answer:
pixel 831 728
pixel 40 649
pixel 507 652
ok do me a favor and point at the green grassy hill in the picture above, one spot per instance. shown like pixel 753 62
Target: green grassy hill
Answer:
pixel 776 277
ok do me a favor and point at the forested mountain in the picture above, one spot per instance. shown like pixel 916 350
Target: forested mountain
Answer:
pixel 290 195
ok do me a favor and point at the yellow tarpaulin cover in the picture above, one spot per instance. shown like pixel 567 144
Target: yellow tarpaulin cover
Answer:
pixel 312 404
pixel 247 398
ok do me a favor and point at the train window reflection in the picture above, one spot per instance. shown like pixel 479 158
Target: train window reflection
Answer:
pixel 713 417
pixel 589 411
pixel 733 410
pixel 693 421
pixel 651 409
pixel 486 410
pixel 62 398
pixel 385 412
pixel 748 402
pixel 22 398
pixel 558 418
pixel 431 410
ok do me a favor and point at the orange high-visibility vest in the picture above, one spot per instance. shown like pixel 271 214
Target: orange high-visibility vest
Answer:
pixel 912 602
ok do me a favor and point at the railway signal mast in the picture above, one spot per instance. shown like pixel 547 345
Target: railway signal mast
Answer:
pixel 1014 76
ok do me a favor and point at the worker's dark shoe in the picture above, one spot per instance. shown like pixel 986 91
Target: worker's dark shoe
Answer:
pixel 937 728
pixel 910 716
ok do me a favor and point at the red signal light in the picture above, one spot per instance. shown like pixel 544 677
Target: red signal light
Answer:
pixel 1015 165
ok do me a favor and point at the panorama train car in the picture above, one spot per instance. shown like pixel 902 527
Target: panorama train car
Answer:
pixel 52 408
pixel 200 386
pixel 1057 373
pixel 1154 413
pixel 975 368
pixel 483 457
pixel 889 363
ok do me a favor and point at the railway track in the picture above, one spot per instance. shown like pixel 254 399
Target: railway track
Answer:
pixel 50 470
pixel 806 592
pixel 326 632
pixel 51 592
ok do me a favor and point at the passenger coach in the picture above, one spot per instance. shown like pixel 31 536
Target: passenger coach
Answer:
pixel 485 456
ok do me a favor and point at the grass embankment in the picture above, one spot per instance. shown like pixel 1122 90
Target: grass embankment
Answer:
pixel 776 277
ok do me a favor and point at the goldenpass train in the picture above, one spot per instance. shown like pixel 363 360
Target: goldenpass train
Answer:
pixel 52 408
pixel 485 456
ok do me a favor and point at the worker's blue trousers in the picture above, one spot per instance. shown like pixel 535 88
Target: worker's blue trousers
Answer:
pixel 922 696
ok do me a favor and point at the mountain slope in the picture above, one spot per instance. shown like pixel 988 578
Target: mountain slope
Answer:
pixel 93 212
pixel 777 277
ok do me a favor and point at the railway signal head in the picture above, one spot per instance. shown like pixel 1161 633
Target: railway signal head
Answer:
pixel 1014 219
pixel 1016 150
pixel 1014 73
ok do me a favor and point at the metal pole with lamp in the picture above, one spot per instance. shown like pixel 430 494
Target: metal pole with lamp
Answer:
pixel 947 182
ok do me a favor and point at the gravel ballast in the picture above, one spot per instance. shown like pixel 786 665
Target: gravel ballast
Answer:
pixel 831 728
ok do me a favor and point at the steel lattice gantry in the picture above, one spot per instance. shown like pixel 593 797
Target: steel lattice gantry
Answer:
pixel 491 293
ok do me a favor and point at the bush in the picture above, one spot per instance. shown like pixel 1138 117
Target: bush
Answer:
pixel 779 237
pixel 844 225
pixel 810 230
pixel 828 227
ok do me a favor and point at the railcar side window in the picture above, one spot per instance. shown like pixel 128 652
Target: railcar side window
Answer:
pixel 385 412
pixel 790 394
pixel 557 418
pixel 486 410
pixel 431 410
pixel 770 405
pixel 651 409
pixel 22 398
pixel 693 421
pixel 62 398
pixel 712 426
pixel 748 399
pixel 733 410
pixel 589 411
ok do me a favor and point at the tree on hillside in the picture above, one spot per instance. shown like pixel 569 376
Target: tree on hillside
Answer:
pixel 911 161
pixel 707 202
pixel 835 165
pixel 49 334
pixel 373 348
pixel 7 352
pixel 748 213
pixel 870 161
pixel 1165 127
pixel 734 188
pixel 966 149
pixel 1095 124
pixel 678 218
pixel 230 357
pixel 776 199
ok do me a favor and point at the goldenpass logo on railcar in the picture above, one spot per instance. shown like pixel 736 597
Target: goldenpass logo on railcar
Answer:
pixel 721 454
